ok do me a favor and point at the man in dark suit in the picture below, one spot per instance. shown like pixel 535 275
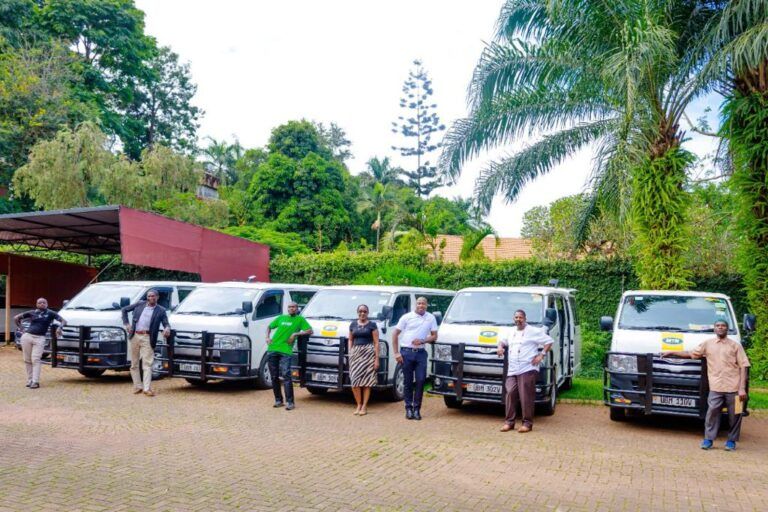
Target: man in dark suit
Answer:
pixel 142 332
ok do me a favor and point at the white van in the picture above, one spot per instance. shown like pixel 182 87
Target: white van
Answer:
pixel 637 380
pixel 231 318
pixel 465 364
pixel 94 339
pixel 320 361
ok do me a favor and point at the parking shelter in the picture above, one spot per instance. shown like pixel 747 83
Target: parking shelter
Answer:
pixel 139 237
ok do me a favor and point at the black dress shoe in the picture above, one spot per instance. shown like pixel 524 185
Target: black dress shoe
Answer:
pixel 408 413
pixel 417 414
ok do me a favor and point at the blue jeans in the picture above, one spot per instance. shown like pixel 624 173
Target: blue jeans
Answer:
pixel 280 367
pixel 414 369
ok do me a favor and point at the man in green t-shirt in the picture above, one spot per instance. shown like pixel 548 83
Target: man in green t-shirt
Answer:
pixel 287 329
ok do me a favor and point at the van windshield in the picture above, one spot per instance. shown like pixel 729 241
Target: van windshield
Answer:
pixel 102 297
pixel 674 313
pixel 212 300
pixel 342 304
pixel 494 308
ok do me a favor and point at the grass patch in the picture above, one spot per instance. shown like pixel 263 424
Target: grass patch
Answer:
pixel 585 389
pixel 592 389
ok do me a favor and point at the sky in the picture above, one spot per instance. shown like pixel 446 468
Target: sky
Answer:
pixel 258 64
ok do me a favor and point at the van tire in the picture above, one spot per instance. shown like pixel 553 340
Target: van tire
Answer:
pixel 452 402
pixel 548 409
pixel 196 382
pixel 91 373
pixel 618 414
pixel 316 390
pixel 264 379
pixel 397 391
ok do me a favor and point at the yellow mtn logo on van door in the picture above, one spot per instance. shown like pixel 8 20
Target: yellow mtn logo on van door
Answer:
pixel 672 341
pixel 330 330
pixel 488 336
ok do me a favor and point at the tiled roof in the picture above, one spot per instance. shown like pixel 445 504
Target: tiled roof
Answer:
pixel 507 248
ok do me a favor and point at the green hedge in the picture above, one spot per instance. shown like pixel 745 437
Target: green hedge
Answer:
pixel 598 283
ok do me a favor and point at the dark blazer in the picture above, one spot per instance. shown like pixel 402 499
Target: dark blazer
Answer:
pixel 158 316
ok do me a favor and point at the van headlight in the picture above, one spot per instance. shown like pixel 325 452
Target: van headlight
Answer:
pixel 443 353
pixel 622 363
pixel 109 335
pixel 231 342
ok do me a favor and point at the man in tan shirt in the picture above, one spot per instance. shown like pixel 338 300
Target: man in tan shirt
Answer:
pixel 727 365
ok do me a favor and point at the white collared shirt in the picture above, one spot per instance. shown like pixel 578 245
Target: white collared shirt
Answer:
pixel 413 326
pixel 144 321
pixel 523 346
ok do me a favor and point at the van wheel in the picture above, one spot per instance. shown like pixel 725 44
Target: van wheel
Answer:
pixel 91 373
pixel 197 382
pixel 618 414
pixel 397 392
pixel 548 409
pixel 452 402
pixel 317 391
pixel 264 380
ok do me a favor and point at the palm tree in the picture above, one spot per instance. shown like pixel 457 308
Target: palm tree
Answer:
pixel 221 157
pixel 737 50
pixel 616 75
pixel 377 199
pixel 382 171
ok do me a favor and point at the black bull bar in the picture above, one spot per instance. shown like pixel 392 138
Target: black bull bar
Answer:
pixel 454 381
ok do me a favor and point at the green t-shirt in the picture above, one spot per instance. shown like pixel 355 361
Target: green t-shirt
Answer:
pixel 284 326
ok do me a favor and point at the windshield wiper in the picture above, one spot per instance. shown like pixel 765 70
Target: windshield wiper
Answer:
pixel 84 308
pixel 651 328
pixel 206 313
pixel 326 317
pixel 481 322
pixel 228 313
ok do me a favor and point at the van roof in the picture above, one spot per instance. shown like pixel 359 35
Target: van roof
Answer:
pixel 543 290
pixel 149 283
pixel 676 293
pixel 390 289
pixel 261 285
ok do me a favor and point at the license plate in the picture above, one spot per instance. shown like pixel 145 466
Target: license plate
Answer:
pixel 186 367
pixel 674 401
pixel 326 377
pixel 71 359
pixel 490 389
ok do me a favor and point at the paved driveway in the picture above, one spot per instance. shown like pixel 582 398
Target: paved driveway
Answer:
pixel 77 444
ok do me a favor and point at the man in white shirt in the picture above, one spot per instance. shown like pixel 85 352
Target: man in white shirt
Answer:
pixel 413 331
pixel 523 343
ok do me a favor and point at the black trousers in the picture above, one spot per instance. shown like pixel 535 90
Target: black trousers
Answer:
pixel 280 367
pixel 415 374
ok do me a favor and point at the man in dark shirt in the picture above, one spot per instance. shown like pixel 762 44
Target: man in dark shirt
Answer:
pixel 33 339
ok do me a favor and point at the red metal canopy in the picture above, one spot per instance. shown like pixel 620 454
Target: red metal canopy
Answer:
pixel 141 238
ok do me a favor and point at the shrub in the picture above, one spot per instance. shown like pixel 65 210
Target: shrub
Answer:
pixel 395 274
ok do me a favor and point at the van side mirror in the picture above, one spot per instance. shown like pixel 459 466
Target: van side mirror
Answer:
pixel 438 317
pixel 385 313
pixel 247 307
pixel 750 322
pixel 606 323
pixel 125 301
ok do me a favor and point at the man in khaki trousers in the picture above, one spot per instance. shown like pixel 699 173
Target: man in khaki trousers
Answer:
pixel 147 317
pixel 33 339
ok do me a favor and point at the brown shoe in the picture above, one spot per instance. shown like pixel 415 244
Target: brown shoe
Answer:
pixel 524 429
pixel 137 391
pixel 149 393
pixel 506 428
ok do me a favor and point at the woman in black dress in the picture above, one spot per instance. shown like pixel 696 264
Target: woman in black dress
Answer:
pixel 363 358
